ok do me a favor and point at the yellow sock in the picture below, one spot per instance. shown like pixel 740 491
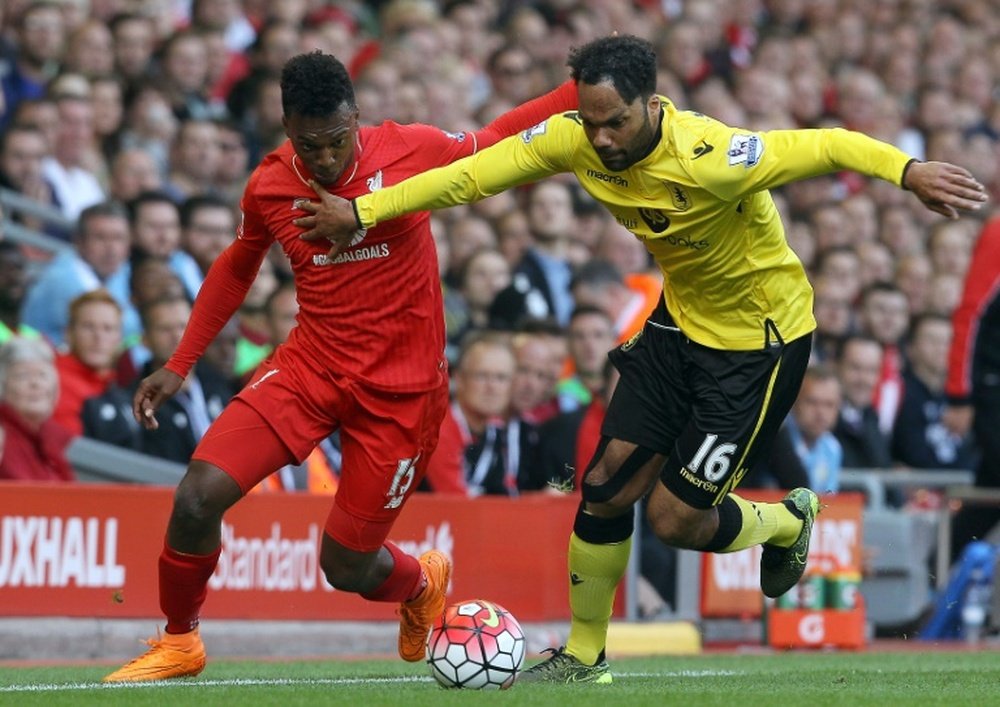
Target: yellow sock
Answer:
pixel 769 523
pixel 595 571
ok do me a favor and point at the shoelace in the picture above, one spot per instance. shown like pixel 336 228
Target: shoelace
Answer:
pixel 558 657
pixel 407 615
pixel 151 642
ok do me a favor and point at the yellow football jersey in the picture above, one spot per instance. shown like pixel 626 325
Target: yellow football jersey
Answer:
pixel 698 201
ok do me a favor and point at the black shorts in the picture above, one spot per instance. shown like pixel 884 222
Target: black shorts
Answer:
pixel 714 413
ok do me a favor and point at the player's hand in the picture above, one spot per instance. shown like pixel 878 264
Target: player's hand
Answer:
pixel 153 391
pixel 957 419
pixel 331 218
pixel 945 188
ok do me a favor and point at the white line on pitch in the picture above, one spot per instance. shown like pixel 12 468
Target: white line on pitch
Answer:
pixel 253 682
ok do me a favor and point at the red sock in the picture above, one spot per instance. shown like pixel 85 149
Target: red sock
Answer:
pixel 183 586
pixel 403 583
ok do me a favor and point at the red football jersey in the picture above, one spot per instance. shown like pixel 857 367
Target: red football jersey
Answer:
pixel 375 312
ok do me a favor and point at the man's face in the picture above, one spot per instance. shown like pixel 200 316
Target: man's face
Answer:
pixel 886 316
pixel 817 407
pixel 134 42
pixel 104 243
pixel 43 114
pixel 198 151
pixel 325 145
pixel 550 211
pixel 210 231
pixel 133 173
pixel 13 279
pixel 591 336
pixel 482 383
pixel 152 279
pixel 157 228
pixel 512 75
pixel 95 335
pixel 43 35
pixel 859 370
pixel 619 132
pixel 165 328
pixel 185 65
pixel 535 376
pixel 21 161
pixel 929 348
pixel 76 129
pixel 487 273
pixel 832 308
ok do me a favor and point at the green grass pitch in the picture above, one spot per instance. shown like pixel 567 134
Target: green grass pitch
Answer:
pixel 896 679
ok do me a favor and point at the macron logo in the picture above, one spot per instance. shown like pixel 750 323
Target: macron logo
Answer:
pixel 375 182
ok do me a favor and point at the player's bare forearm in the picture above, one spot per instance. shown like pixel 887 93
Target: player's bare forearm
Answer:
pixel 945 188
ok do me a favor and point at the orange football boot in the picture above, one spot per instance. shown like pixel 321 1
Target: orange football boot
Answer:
pixel 417 615
pixel 172 655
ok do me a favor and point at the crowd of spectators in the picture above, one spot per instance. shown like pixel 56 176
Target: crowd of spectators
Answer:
pixel 139 123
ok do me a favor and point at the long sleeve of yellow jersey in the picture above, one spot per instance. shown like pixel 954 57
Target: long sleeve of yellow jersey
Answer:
pixel 745 162
pixel 754 161
pixel 533 154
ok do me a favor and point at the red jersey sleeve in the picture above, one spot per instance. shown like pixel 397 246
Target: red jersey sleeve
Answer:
pixel 430 147
pixel 527 115
pixel 225 286
pixel 982 282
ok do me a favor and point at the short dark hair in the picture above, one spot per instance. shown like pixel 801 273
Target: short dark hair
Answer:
pixel 856 337
pixel 194 204
pixel 540 326
pixel 821 372
pixel 98 210
pixel 18 128
pixel 628 62
pixel 146 312
pixel 919 321
pixel 315 85
pixel 147 197
pixel 596 273
pixel 880 287
pixel 487 337
pixel 588 310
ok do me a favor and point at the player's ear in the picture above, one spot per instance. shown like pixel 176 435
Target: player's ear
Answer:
pixel 653 107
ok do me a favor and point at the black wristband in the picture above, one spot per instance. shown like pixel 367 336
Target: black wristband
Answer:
pixel 357 216
pixel 902 177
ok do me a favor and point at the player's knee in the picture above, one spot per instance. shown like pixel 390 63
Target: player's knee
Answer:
pixel 608 491
pixel 345 578
pixel 605 501
pixel 202 497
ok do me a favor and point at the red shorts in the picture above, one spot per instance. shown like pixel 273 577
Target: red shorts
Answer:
pixel 292 403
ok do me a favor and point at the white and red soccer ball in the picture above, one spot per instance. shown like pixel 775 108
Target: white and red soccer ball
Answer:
pixel 475 644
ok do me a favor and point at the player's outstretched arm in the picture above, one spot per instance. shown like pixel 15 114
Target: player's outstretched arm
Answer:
pixel 153 391
pixel 943 187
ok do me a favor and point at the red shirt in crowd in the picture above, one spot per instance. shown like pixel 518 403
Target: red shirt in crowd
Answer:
pixel 77 382
pixel 27 454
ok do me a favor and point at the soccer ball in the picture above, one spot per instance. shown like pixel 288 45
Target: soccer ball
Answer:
pixel 475 644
